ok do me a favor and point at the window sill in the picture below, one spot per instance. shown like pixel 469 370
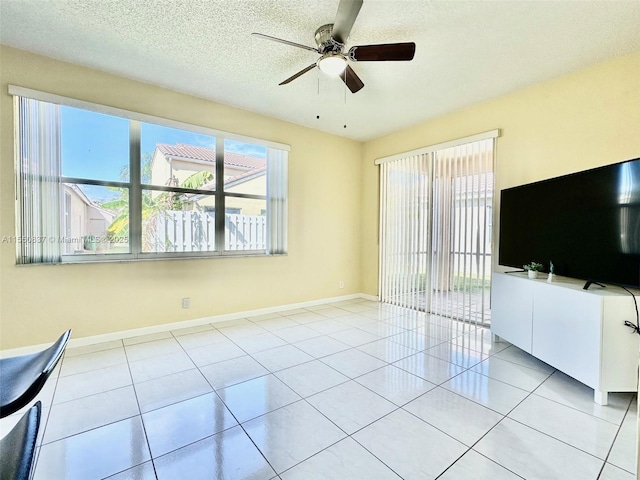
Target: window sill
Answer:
pixel 116 258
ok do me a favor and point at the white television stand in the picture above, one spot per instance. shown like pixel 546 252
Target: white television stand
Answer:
pixel 579 332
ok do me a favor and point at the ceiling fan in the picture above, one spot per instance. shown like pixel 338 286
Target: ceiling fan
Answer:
pixel 331 40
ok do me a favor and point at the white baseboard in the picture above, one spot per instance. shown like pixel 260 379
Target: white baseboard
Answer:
pixel 136 332
pixel 373 298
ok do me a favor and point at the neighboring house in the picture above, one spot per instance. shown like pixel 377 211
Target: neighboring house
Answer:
pixel 82 219
pixel 189 225
pixel 173 164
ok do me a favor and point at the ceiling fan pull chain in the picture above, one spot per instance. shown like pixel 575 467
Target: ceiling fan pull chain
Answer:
pixel 344 110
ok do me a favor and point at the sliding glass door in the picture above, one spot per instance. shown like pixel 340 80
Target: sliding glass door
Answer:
pixel 435 231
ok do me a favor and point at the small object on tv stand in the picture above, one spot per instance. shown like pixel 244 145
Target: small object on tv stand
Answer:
pixel 551 273
pixel 532 269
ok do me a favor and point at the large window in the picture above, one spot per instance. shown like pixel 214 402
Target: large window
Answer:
pixel 97 183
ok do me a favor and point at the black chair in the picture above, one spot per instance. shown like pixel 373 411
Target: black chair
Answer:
pixel 23 377
pixel 17 448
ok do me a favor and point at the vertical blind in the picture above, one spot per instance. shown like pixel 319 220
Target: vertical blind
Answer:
pixel 404 235
pixel 38 181
pixel 435 230
pixel 277 180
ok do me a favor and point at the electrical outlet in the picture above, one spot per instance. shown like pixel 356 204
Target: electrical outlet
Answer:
pixel 341 284
pixel 186 302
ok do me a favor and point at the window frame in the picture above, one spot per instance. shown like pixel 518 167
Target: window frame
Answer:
pixel 135 185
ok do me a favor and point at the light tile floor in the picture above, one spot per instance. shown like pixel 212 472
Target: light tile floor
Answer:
pixel 351 390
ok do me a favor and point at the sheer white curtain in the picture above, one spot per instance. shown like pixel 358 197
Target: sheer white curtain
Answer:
pixel 435 229
pixel 277 180
pixel 38 166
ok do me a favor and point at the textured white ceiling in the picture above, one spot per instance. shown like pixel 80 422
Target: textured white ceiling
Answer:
pixel 466 51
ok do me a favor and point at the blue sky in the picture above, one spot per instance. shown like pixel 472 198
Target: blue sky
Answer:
pixel 96 146
pixel 93 145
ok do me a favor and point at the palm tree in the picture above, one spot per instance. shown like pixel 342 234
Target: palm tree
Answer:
pixel 152 205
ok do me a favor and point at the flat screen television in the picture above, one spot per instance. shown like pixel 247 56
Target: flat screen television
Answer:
pixel 586 223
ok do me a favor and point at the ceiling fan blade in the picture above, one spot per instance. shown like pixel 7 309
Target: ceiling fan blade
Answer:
pixel 300 73
pixel 345 17
pixel 383 53
pixel 286 42
pixel 352 80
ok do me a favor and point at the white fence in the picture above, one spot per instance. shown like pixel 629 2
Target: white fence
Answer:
pixel 245 232
pixel 192 231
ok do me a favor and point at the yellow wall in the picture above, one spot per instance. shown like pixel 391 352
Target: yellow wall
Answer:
pixel 584 120
pixel 37 303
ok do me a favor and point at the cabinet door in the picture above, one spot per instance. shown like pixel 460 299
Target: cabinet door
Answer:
pixel 511 309
pixel 619 345
pixel 567 331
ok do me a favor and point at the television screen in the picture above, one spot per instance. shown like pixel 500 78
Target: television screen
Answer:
pixel 586 223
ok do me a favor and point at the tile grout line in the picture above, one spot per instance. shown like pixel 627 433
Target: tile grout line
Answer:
pixel 387 414
pixel 301 399
pixel 577 409
pixel 46 423
pixel 214 390
pixel 241 425
pixel 174 337
pixel 492 428
pixel 614 442
pixel 548 435
pixel 144 427
pixel 312 406
pixel 349 378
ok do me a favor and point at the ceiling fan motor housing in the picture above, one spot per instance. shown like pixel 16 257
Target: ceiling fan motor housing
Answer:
pixel 325 42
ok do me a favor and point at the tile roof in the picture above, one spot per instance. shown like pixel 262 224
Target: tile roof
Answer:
pixel 242 176
pixel 192 152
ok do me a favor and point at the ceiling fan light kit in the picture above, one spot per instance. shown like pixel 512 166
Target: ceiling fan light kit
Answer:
pixel 332 64
pixel 331 39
